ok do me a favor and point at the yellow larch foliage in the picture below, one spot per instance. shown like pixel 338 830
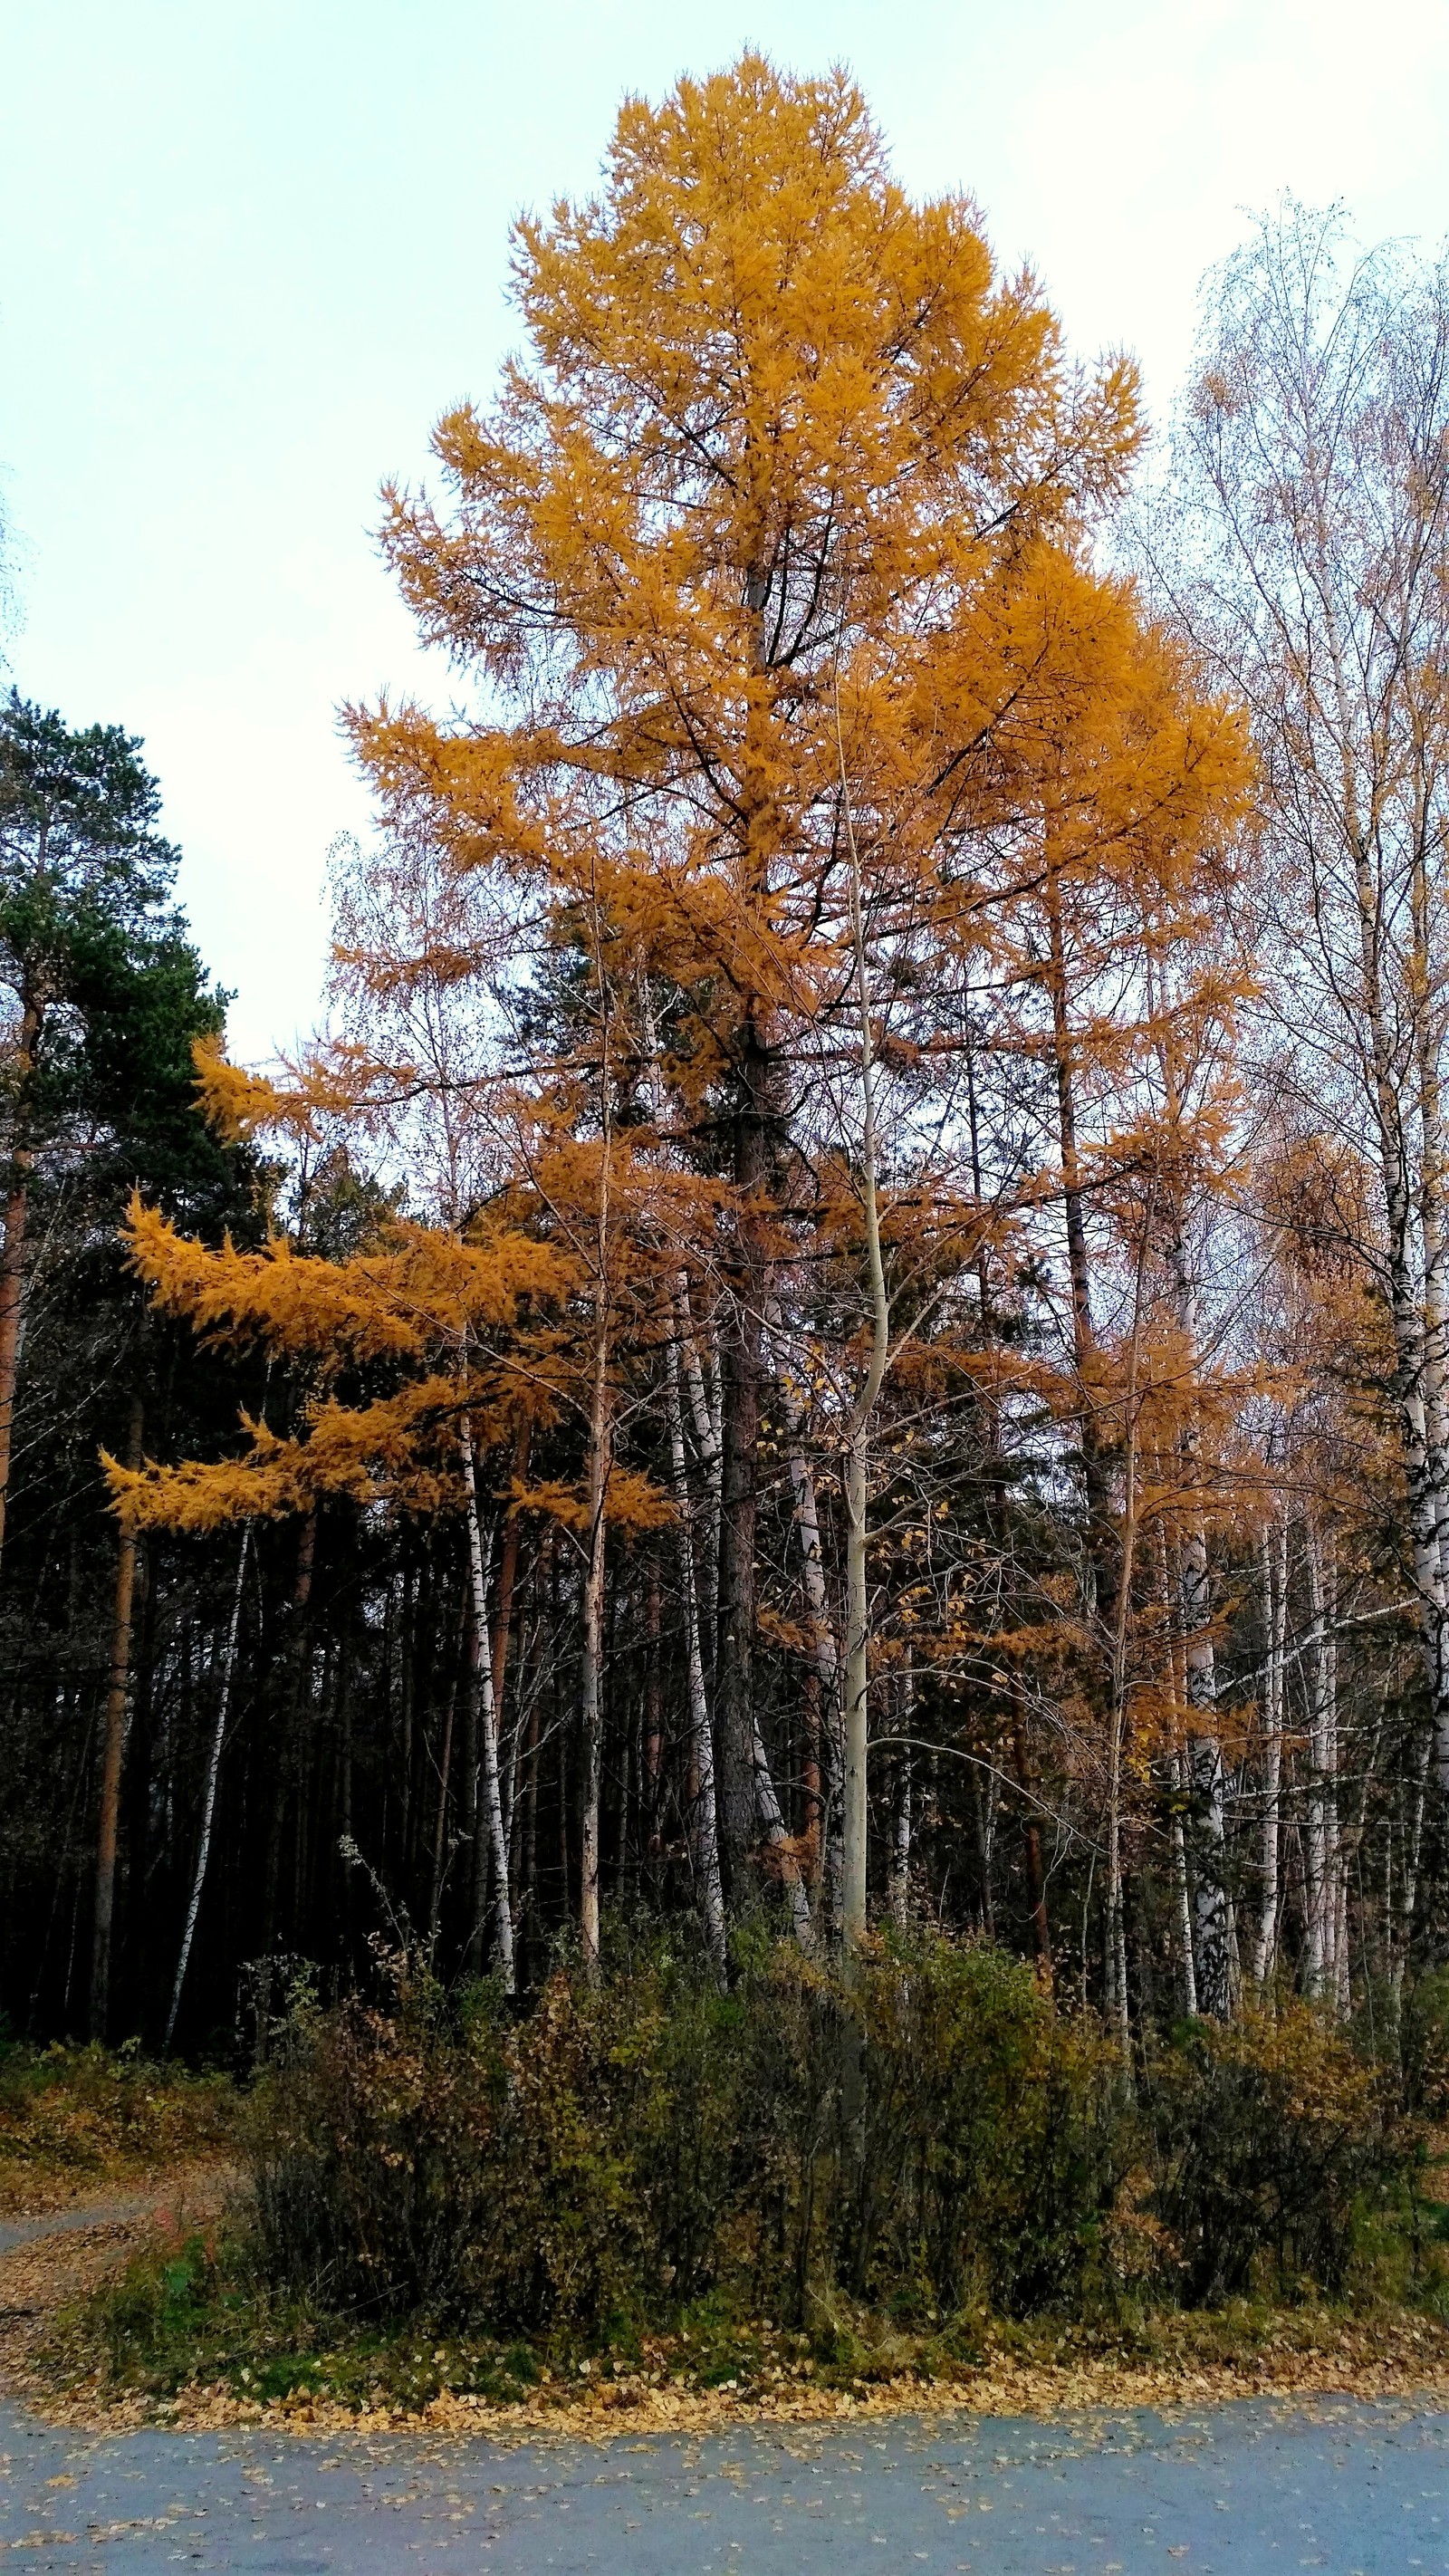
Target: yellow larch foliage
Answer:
pixel 425 1303
pixel 779 429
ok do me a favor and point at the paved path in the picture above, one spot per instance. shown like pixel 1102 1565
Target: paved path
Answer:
pixel 1255 2489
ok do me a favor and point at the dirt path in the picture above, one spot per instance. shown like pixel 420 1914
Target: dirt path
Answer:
pixel 56 2255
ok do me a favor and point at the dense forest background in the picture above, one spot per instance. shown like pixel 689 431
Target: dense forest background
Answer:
pixel 847 1325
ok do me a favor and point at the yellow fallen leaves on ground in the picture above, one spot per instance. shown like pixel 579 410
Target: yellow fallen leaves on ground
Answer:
pixel 1387 2360
pixel 1040 2371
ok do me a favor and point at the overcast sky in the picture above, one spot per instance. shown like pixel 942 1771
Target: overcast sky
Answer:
pixel 250 256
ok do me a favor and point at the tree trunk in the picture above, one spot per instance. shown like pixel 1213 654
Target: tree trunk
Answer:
pixel 706 1416
pixel 1321 1857
pixel 445 1765
pixel 1115 1982
pixel 529 1900
pixel 113 1749
pixel 1217 1942
pixel 344 1845
pixel 854 1807
pixel 651 1787
pixel 503 1625
pixel 484 1665
pixel 1182 1887
pixel 1178 1794
pixel 208 1802
pixel 778 1843
pixel 735 1653
pixel 703 1821
pixel 592 1693
pixel 1084 1343
pixel 855 1797
pixel 1273 1559
pixel 823 1713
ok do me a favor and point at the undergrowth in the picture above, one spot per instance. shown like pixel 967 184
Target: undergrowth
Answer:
pixel 78 2119
pixel 653 2182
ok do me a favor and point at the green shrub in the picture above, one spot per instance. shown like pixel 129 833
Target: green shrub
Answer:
pixel 1272 2138
pixel 930 2136
pixel 933 2127
pixel 996 2132
pixel 401 2163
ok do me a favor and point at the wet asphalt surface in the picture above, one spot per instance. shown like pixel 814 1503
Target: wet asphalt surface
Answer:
pixel 1236 2490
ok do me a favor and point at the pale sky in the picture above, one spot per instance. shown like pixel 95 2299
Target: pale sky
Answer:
pixel 249 256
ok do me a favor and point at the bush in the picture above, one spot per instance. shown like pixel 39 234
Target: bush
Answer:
pixel 935 2126
pixel 996 2133
pixel 1272 2137
pixel 401 2163
pixel 933 2137
pixel 807 2174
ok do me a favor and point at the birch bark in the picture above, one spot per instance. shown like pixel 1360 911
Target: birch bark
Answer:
pixel 1273 1577
pixel 208 1800
pixel 483 1660
pixel 703 1818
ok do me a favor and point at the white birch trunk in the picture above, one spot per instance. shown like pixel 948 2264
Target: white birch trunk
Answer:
pixel 208 1802
pixel 1273 1561
pixel 704 1821
pixel 826 1655
pixel 1321 1855
pixel 855 1799
pixel 592 1692
pixel 487 1717
pixel 1181 1891
pixel 709 1439
pixel 1217 1952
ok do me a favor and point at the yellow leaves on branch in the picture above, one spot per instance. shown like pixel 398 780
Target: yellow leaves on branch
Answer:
pixel 332 1084
pixel 417 1304
pixel 423 1289
pixel 421 1301
pixel 400 1449
pixel 240 1105
pixel 633 1503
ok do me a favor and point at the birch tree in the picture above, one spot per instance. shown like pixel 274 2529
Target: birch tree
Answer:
pixel 1306 546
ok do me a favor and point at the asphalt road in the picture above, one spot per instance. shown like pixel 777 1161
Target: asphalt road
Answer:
pixel 1232 2491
